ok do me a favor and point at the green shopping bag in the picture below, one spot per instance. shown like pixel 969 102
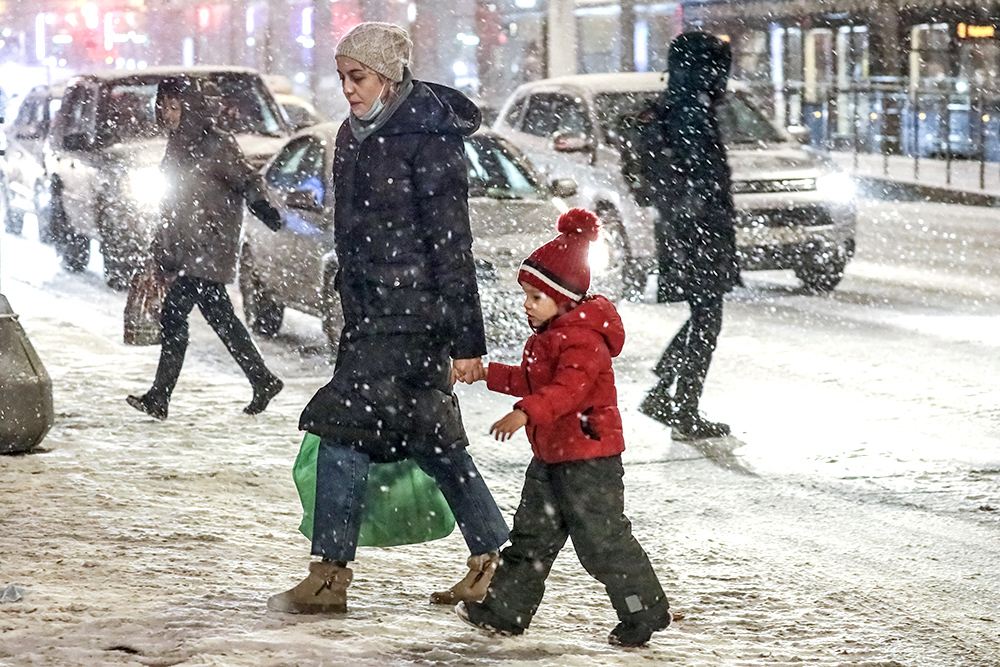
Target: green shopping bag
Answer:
pixel 403 505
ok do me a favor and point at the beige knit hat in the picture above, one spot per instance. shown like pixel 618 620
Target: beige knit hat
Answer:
pixel 383 47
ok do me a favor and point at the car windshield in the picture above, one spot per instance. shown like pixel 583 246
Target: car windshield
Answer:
pixel 130 114
pixel 497 171
pixel 741 122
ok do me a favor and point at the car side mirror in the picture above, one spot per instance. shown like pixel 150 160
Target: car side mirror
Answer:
pixel 572 143
pixel 304 200
pixel 799 133
pixel 563 187
pixel 77 142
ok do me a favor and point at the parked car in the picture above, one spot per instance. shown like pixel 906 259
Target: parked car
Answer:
pixel 795 209
pixel 512 212
pixel 105 151
pixel 24 171
pixel 300 113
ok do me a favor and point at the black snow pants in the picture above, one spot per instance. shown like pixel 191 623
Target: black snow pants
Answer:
pixel 689 354
pixel 584 500
pixel 215 305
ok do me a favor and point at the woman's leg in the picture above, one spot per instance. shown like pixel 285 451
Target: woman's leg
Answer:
pixel 218 310
pixel 705 325
pixel 341 481
pixel 476 512
pixel 177 305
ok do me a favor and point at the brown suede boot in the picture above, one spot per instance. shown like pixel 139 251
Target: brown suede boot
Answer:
pixel 324 591
pixel 473 587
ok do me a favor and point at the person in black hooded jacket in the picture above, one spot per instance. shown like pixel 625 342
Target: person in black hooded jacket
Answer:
pixel 208 180
pixel 412 319
pixel 695 233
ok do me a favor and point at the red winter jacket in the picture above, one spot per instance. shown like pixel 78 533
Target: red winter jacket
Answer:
pixel 568 385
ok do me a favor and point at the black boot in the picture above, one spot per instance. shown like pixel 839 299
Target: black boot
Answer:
pixel 637 629
pixel 475 614
pixel 659 405
pixel 155 408
pixel 262 395
pixel 697 428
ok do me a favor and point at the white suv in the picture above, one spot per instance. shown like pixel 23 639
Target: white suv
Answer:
pixel 795 209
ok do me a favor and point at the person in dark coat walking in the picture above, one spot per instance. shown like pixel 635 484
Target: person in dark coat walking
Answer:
pixel 573 486
pixel 412 319
pixel 208 180
pixel 695 236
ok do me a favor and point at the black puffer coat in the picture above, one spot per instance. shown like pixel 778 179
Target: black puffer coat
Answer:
pixel 696 203
pixel 407 280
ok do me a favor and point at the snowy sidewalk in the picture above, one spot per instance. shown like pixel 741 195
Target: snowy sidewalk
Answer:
pixel 847 522
pixel 936 178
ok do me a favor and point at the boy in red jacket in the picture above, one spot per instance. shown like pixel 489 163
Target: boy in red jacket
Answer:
pixel 573 486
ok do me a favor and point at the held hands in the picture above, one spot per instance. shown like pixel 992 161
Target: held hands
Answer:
pixel 506 427
pixel 467 370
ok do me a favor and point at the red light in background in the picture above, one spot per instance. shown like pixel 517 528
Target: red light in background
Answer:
pixel 204 17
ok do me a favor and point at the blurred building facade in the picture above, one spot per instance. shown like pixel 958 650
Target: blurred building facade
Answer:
pixel 920 77
pixel 486 47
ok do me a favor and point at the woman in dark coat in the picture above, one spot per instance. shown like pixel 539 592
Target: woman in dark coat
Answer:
pixel 695 233
pixel 208 180
pixel 413 323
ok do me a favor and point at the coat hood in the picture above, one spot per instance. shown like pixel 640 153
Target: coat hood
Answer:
pixel 431 108
pixel 698 63
pixel 600 315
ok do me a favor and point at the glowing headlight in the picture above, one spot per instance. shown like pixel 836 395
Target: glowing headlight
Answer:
pixel 599 256
pixel 837 186
pixel 147 186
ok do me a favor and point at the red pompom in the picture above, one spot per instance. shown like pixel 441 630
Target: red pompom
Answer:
pixel 579 221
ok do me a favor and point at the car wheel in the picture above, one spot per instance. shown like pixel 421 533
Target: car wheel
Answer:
pixel 262 313
pixel 821 270
pixel 333 314
pixel 72 247
pixel 615 281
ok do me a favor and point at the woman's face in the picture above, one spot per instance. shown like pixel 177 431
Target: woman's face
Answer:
pixel 362 86
pixel 170 112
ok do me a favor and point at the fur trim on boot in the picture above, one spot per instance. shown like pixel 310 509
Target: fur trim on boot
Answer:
pixel 472 588
pixel 324 591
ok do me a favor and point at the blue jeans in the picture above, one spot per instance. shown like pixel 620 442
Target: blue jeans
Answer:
pixel 341 481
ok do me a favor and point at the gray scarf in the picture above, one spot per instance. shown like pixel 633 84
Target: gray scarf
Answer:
pixel 364 129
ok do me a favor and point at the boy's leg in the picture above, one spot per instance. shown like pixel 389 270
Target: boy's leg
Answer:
pixel 591 497
pixel 537 537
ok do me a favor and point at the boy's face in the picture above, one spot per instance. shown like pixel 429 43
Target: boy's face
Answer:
pixel 539 306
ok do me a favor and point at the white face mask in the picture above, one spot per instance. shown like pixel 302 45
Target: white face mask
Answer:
pixel 376 107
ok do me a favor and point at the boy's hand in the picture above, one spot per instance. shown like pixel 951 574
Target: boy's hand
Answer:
pixel 507 426
pixel 467 370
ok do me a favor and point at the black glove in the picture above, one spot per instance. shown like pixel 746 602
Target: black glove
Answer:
pixel 266 214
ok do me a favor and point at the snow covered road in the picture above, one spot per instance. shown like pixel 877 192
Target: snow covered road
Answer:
pixel 852 519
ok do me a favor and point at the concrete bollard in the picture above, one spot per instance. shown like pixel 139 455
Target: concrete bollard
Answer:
pixel 26 412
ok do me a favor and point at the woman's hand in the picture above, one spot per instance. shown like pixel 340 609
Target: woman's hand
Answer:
pixel 467 370
pixel 507 426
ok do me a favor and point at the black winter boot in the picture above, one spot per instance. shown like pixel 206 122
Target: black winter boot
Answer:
pixel 637 629
pixel 477 615
pixel 659 405
pixel 697 428
pixel 262 395
pixel 156 409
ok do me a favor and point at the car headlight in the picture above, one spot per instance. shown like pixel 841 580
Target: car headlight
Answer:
pixel 147 186
pixel 838 186
pixel 599 256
